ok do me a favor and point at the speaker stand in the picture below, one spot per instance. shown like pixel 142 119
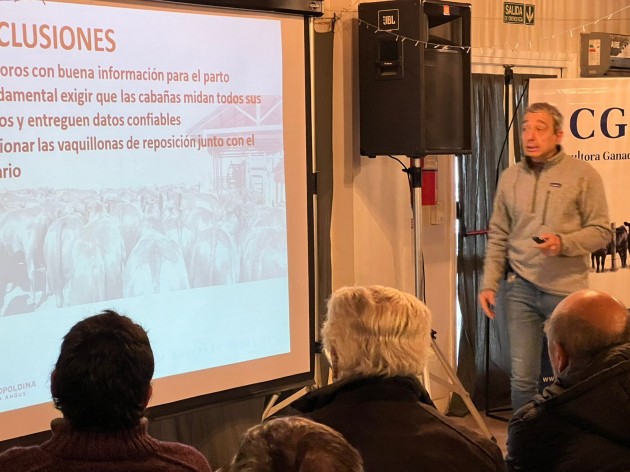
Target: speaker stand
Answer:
pixel 495 413
pixel 453 383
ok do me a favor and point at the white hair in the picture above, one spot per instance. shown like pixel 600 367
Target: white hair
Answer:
pixel 375 330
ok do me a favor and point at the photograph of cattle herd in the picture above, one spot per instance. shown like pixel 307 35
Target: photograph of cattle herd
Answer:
pixel 63 247
pixel 617 249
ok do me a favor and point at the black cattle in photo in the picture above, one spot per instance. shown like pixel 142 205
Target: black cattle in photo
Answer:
pixel 620 247
pixel 22 233
pixel 98 256
pixel 214 259
pixel 128 218
pixel 621 241
pixel 156 265
pixel 58 245
pixel 598 259
pixel 263 253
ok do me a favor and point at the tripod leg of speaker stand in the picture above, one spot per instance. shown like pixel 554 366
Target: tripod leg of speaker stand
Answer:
pixel 426 380
pixel 273 407
pixel 415 173
pixel 454 385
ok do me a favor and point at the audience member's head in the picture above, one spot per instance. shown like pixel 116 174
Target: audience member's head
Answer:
pixel 584 324
pixel 376 330
pixel 294 444
pixel 102 379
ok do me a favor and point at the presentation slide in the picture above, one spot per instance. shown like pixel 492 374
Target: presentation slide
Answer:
pixel 153 161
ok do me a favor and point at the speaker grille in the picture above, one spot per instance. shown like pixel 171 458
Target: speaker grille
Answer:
pixel 414 98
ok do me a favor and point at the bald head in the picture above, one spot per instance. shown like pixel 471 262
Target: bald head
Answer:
pixel 585 323
pixel 598 309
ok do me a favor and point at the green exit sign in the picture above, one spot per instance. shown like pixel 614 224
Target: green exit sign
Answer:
pixel 518 13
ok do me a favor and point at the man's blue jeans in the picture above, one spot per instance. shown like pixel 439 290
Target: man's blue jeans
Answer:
pixel 526 308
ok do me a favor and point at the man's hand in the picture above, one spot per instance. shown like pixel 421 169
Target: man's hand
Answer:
pixel 487 300
pixel 552 245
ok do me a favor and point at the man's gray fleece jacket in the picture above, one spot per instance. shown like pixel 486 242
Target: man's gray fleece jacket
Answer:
pixel 567 198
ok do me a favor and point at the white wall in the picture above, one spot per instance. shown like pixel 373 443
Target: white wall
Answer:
pixel 555 35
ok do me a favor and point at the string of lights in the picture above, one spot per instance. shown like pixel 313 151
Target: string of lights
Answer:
pixel 582 28
pixel 415 41
pixel 338 15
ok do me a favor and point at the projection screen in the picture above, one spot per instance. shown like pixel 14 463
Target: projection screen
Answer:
pixel 154 160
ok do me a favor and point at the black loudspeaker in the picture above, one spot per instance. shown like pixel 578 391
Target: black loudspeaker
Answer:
pixel 414 77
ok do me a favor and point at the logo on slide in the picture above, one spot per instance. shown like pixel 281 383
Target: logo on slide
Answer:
pixel 8 392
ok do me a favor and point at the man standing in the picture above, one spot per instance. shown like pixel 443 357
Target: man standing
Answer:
pixel 580 422
pixel 550 213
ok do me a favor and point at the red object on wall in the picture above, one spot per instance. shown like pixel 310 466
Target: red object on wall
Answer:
pixel 429 187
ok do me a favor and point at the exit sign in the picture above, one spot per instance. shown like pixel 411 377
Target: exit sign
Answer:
pixel 518 13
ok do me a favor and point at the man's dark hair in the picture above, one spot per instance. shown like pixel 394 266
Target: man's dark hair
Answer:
pixel 103 374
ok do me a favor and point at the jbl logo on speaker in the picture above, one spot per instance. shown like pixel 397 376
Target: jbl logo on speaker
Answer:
pixel 388 20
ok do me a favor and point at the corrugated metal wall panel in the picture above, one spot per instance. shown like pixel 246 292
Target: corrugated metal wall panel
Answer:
pixel 557 27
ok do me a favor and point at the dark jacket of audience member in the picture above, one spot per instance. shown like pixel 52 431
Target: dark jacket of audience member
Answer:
pixel 395 427
pixel 294 444
pixel 579 423
pixel 582 421
pixel 102 384
pixel 379 339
